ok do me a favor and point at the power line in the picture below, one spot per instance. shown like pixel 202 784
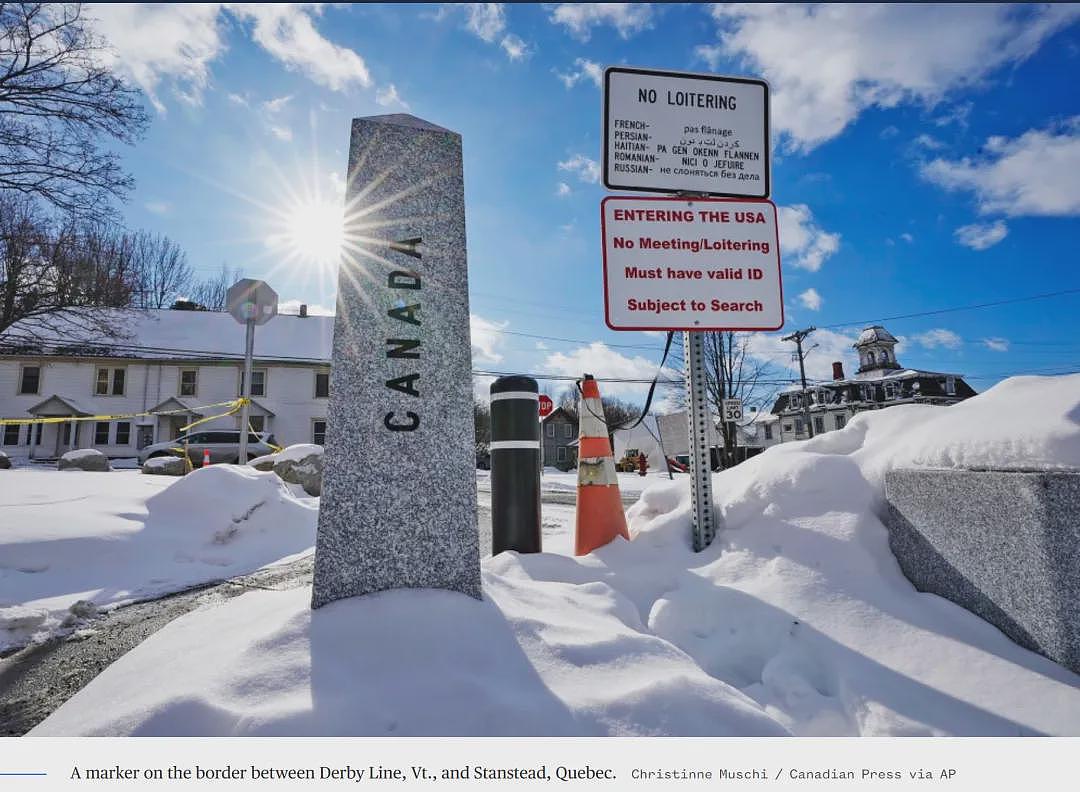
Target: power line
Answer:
pixel 973 307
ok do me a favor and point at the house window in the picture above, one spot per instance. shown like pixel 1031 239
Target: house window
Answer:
pixel 101 433
pixel 787 428
pixel 110 382
pixel 67 434
pixel 864 392
pixel 318 432
pixel 890 390
pixel 567 430
pixel 560 454
pixel 30 381
pixel 840 421
pixel 189 381
pixel 322 384
pixel 123 433
pixel 796 400
pixel 798 426
pixel 819 424
pixel 950 386
pixel 11 434
pixel 258 423
pixel 258 382
pixel 768 431
pixel 551 430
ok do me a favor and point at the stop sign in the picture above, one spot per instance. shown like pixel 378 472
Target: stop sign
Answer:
pixel 252 300
pixel 545 405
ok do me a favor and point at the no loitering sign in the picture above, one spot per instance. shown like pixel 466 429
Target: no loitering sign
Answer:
pixel 677 132
pixel 691 264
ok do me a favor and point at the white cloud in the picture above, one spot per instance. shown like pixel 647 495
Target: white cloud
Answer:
pixel 907 238
pixel 997 344
pixel 487 21
pixel 802 241
pixel 981 237
pixel 602 361
pixel 588 170
pixel 827 63
pixel 314 309
pixel 811 299
pixel 487 337
pixel 938 337
pixel 580 18
pixel 176 43
pixel 389 97
pixel 515 47
pixel 583 68
pixel 281 132
pixel 158 207
pixel 276 105
pixel 288 33
pixel 825 346
pixel 929 142
pixel 238 99
pixel 1034 174
pixel 152 43
pixel 337 184
pixel 562 190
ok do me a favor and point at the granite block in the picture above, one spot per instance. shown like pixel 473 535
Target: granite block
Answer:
pixel 398 505
pixel 1004 545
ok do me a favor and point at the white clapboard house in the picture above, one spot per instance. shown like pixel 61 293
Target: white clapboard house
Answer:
pixel 159 361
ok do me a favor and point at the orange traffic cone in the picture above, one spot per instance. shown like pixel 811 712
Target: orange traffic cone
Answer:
pixel 206 457
pixel 600 515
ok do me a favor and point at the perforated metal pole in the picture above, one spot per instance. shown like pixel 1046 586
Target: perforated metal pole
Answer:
pixel 704 527
pixel 249 353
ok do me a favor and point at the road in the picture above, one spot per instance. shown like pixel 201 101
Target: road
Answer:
pixel 38 679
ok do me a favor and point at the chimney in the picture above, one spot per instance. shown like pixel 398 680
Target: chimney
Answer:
pixel 837 370
pixel 303 310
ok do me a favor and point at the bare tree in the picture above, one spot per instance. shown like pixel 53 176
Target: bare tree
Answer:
pixel 163 271
pixel 617 413
pixel 731 372
pixel 57 100
pixel 50 271
pixel 210 293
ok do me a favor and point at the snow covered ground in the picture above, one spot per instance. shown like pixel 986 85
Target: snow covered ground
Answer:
pixel 72 538
pixel 796 620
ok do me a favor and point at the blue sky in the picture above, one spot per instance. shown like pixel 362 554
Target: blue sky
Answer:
pixel 924 157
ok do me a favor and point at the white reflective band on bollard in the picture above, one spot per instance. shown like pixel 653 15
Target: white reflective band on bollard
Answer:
pixel 515 395
pixel 513 445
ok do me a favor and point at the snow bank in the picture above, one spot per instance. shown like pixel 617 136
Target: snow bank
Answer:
pixel 797 617
pixel 116 539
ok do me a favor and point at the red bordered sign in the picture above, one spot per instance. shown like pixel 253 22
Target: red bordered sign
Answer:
pixel 691 264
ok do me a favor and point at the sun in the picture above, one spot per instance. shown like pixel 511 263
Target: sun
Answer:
pixel 313 231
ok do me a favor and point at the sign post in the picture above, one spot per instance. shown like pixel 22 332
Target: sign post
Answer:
pixel 251 302
pixel 689 262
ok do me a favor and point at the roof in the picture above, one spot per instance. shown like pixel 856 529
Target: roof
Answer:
pixel 874 334
pixel 170 334
pixel 57 406
pixel 889 374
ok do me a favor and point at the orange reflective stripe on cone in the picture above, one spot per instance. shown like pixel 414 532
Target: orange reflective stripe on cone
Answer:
pixel 600 516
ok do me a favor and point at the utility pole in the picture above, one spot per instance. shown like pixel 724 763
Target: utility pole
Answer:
pixel 798 337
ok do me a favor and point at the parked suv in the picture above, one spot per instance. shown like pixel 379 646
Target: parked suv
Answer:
pixel 224 446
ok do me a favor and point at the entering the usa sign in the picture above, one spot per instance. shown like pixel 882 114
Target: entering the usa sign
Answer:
pixel 691 264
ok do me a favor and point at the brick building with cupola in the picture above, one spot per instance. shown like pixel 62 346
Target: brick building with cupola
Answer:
pixel 879 382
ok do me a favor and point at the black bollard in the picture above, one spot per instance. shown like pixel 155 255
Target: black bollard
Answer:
pixel 515 465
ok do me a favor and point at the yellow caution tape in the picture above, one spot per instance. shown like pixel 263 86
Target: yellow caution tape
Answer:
pixel 235 406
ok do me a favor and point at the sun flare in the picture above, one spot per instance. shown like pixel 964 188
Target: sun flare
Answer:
pixel 313 232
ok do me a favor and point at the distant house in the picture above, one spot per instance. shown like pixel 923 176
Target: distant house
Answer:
pixel 559 430
pixel 174 362
pixel 879 382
